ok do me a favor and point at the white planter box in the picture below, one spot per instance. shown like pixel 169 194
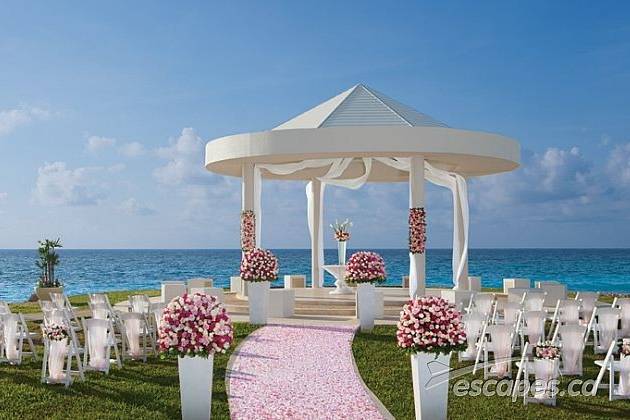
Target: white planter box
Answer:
pixel 235 285
pixel 258 296
pixel 515 283
pixel 212 291
pixel 459 298
pixel 200 282
pixel 281 303
pixel 366 305
pixel 195 386
pixel 555 291
pixel 172 289
pixel 474 284
pixel 294 281
pixel 430 388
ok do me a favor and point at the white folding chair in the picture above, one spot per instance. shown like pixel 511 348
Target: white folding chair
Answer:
pixel 99 340
pixel 533 328
pixel 605 328
pixel 482 303
pixel 622 366
pixel 570 338
pixel 12 339
pixel 534 300
pixel 140 304
pixel 624 305
pixel 135 332
pixel 588 302
pixel 567 313
pixel 53 371
pixel 5 309
pixel 473 326
pixel 510 314
pixel 61 301
pixel 500 343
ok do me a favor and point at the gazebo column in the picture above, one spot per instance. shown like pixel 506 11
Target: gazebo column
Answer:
pixel 416 199
pixel 315 224
pixel 249 196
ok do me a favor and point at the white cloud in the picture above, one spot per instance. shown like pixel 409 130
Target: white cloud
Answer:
pixel 3 196
pixel 185 161
pixel 133 207
pixel 10 119
pixel 132 149
pixel 58 185
pixel 96 144
pixel 618 165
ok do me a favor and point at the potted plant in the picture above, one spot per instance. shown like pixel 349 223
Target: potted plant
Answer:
pixel 48 260
pixel 429 329
pixel 194 327
pixel 365 268
pixel 259 267
pixel 624 367
pixel 546 370
pixel 342 235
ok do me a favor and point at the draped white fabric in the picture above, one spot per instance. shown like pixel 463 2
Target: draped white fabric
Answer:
pixel 472 325
pixel 10 334
pixel 624 375
pixel 133 328
pixel 534 326
pixel 588 303
pixel 139 304
pixel 534 301
pixel 572 348
pixel 624 305
pixel 97 298
pixel 545 370
pixel 57 350
pixel 501 347
pixel 455 182
pixel 607 320
pixel 483 303
pixel 58 300
pixel 100 311
pixel 97 330
pixel 510 313
pixel 569 312
pixel 311 210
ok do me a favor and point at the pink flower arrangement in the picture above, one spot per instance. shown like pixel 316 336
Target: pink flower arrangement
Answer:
pixel 341 230
pixel 248 230
pixel 365 267
pixel 417 230
pixel 196 326
pixel 624 348
pixel 56 332
pixel 430 324
pixel 259 265
pixel 547 351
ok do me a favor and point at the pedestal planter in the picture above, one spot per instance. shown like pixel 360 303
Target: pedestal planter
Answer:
pixel 545 372
pixel 341 251
pixel 366 305
pixel 430 388
pixel 43 293
pixel 624 376
pixel 195 386
pixel 57 352
pixel 258 295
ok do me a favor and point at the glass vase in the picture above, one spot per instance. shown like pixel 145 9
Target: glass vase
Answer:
pixel 341 251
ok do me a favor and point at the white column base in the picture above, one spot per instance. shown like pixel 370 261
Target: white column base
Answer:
pixel 258 296
pixel 366 306
pixel 195 386
pixel 430 391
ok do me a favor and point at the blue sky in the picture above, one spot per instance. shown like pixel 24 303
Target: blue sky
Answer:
pixel 104 110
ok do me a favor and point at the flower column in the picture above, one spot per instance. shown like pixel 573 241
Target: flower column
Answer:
pixel 416 201
pixel 249 196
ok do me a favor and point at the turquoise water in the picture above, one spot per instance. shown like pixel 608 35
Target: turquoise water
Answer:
pixel 82 271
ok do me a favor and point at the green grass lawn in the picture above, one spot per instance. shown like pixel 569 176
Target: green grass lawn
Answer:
pixel 138 390
pixel 387 372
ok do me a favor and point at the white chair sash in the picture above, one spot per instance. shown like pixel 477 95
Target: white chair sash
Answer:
pixel 482 303
pixel 97 331
pixel 624 306
pixel 588 300
pixel 607 322
pixel 572 340
pixel 10 325
pixel 139 304
pixel 133 330
pixel 624 375
pixel 100 311
pixel 569 312
pixel 510 313
pixel 501 347
pixel 534 326
pixel 57 351
pixel 534 301
pixel 545 371
pixel 472 325
pixel 58 300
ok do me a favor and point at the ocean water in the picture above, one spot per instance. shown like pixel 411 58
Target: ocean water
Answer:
pixel 83 271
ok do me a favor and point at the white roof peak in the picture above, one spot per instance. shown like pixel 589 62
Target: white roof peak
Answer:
pixel 360 106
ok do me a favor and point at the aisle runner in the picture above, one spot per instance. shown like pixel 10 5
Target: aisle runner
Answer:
pixel 299 372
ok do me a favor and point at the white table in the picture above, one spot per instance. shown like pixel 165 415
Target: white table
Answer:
pixel 339 273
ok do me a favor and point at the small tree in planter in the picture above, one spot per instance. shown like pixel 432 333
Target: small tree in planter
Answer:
pixel 259 267
pixel 365 268
pixel 194 327
pixel 48 260
pixel 430 328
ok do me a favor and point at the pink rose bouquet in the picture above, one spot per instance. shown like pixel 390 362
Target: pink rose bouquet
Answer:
pixel 196 326
pixel 341 230
pixel 624 347
pixel 430 324
pixel 417 230
pixel 248 230
pixel 547 351
pixel 259 265
pixel 56 332
pixel 365 267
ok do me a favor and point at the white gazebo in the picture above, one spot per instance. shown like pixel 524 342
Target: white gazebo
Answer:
pixel 364 136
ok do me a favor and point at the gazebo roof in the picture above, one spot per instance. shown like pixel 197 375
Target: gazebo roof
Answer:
pixel 361 122
pixel 360 106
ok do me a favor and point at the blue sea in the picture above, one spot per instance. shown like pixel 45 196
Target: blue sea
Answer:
pixel 83 271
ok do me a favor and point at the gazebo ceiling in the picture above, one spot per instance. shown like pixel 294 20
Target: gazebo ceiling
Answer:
pixel 361 122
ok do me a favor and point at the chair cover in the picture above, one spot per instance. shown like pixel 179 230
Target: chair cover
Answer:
pixel 510 313
pixel 607 323
pixel 99 310
pixel 624 306
pixel 572 349
pixel 482 303
pixel 473 323
pixel 139 304
pixel 545 370
pixel 534 301
pixel 55 316
pixel 133 329
pixel 96 298
pixel 57 351
pixel 10 334
pixel 588 300
pixel 4 308
pixel 157 315
pixel 624 376
pixel 534 326
pixel 501 347
pixel 569 312
pixel 98 343
pixel 58 300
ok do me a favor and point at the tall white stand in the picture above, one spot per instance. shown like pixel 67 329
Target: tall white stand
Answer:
pixel 416 199
pixel 195 386
pixel 258 296
pixel 430 388
pixel 315 191
pixel 366 305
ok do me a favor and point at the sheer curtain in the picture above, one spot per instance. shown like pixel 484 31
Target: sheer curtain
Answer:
pixel 501 346
pixel 607 320
pixel 569 313
pixel 572 340
pixel 534 326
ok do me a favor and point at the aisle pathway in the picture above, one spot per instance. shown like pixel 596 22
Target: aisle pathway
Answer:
pixel 298 372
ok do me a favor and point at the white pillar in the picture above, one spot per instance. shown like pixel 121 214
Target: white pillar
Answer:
pixel 249 196
pixel 315 226
pixel 416 199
